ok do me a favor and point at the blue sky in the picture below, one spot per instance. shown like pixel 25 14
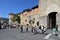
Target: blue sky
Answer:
pixel 15 6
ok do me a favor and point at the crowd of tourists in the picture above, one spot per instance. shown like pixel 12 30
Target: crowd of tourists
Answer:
pixel 35 29
pixel 40 29
pixel 3 25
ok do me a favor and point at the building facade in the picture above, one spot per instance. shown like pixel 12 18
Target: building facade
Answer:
pixel 50 12
pixel 26 16
pixel 47 13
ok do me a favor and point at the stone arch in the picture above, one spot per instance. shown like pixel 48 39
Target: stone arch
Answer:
pixel 52 8
pixel 52 20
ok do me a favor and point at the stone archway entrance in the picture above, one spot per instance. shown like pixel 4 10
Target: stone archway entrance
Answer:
pixel 52 20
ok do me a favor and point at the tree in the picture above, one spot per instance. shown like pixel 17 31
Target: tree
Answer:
pixel 25 20
pixel 30 21
pixel 38 23
pixel 17 18
pixel 33 21
pixel 13 19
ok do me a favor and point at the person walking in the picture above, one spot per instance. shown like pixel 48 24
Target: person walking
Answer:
pixel 39 27
pixel 21 28
pixel 0 25
pixel 36 30
pixel 27 29
pixel 54 30
pixel 57 28
pixel 32 29
pixel 42 28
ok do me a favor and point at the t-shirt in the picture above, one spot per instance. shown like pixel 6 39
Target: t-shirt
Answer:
pixel 54 29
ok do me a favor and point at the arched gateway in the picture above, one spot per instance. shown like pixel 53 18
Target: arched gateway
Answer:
pixel 52 20
pixel 52 10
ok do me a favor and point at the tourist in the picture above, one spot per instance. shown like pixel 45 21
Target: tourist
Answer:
pixel 45 28
pixel 57 27
pixel 42 28
pixel 54 30
pixel 26 29
pixel 22 28
pixel 0 25
pixel 36 30
pixel 32 29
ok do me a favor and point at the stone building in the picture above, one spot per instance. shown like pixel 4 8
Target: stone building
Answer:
pixel 26 15
pixel 47 13
pixel 11 15
pixel 50 12
pixel 12 20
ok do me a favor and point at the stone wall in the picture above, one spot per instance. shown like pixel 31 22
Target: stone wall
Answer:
pixel 58 21
pixel 10 19
pixel 45 7
pixel 25 16
pixel 43 20
pixel 48 6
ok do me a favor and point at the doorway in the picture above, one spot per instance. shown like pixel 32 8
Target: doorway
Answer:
pixel 52 20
